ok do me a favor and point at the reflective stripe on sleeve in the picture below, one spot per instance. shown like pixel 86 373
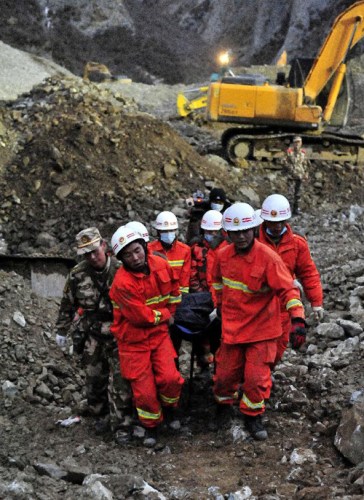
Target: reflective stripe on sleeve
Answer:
pixel 175 299
pixel 217 286
pixel 157 316
pixel 156 300
pixel 293 303
pixel 184 289
pixel 114 305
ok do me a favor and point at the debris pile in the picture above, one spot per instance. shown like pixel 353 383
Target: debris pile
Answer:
pixel 314 412
pixel 75 155
pixel 79 156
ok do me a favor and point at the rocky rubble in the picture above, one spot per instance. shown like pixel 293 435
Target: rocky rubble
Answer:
pixel 308 454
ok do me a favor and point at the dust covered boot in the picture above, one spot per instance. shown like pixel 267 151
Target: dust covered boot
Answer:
pixel 255 427
pixel 150 437
pixel 123 436
pixel 222 417
pixel 171 417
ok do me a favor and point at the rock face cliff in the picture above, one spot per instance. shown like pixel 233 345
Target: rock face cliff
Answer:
pixel 164 40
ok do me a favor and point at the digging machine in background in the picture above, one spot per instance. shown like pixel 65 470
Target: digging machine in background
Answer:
pixel 258 118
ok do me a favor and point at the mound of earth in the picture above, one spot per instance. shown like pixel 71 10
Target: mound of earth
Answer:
pixel 75 155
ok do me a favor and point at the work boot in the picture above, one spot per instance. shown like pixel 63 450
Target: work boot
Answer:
pixel 150 437
pixel 255 427
pixel 123 436
pixel 171 418
pixel 222 418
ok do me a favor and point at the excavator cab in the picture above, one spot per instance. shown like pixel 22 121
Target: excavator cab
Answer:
pixel 96 72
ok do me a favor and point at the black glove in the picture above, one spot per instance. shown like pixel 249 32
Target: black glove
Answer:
pixel 297 335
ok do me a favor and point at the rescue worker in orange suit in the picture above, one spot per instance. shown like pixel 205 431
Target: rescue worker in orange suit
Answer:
pixel 203 257
pixel 277 234
pixel 144 296
pixel 178 255
pixel 250 280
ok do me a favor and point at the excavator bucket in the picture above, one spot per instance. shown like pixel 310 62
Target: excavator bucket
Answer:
pixel 197 102
pixel 182 105
pixel 282 60
pixel 343 103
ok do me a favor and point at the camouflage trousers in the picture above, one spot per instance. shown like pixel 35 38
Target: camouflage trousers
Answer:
pixel 107 392
pixel 294 195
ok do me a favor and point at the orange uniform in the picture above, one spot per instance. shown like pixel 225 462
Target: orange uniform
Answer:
pixel 143 304
pixel 179 258
pixel 250 283
pixel 249 289
pixel 203 258
pixel 295 253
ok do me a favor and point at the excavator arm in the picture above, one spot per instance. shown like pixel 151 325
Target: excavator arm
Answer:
pixel 346 32
pixel 197 101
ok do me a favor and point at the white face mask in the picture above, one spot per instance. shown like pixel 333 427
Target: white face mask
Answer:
pixel 168 238
pixel 217 206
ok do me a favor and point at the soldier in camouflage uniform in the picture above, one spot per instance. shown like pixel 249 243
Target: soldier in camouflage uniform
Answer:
pixel 86 314
pixel 297 166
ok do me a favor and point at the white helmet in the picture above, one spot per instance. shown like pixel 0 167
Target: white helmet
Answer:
pixel 212 220
pixel 122 237
pixel 166 221
pixel 139 228
pixel 240 217
pixel 276 208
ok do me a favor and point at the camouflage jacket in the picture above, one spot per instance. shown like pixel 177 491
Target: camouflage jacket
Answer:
pixel 297 164
pixel 82 289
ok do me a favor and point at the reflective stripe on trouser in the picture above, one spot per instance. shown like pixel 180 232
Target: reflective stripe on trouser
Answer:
pixel 106 390
pixel 250 365
pixel 283 340
pixel 154 378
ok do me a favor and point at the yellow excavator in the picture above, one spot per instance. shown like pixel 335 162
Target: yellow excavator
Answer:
pixel 259 118
pixel 96 72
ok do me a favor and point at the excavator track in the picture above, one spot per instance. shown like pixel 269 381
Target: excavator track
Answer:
pixel 327 146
